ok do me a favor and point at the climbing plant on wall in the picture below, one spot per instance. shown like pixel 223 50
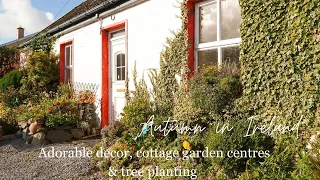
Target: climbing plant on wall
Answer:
pixel 43 43
pixel 280 54
pixel 173 66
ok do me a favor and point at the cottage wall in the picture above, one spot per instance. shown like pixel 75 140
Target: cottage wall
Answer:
pixel 149 24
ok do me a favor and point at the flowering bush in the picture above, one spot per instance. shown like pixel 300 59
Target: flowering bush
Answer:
pixel 62 111
pixel 86 97
pixel 42 73
pixel 9 60
pixel 64 107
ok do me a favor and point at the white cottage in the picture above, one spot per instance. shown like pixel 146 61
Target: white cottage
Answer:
pixel 100 40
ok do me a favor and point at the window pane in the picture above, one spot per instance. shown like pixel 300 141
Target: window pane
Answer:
pixel 67 58
pixel 118 60
pixel 123 60
pixel 68 75
pixel 230 19
pixel 118 33
pixel 208 22
pixel 71 58
pixel 118 74
pixel 231 55
pixel 123 73
pixel 207 58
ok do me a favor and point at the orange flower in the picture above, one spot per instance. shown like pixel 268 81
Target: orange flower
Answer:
pixel 38 115
pixel 132 147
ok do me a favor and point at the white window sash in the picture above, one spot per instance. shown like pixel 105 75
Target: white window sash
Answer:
pixel 70 66
pixel 216 44
pixel 219 44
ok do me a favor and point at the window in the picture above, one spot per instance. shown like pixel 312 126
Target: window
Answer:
pixel 68 68
pixel 217 38
pixel 118 34
pixel 121 67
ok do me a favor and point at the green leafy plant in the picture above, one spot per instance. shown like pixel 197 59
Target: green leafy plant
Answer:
pixel 236 140
pixel 42 73
pixel 9 60
pixel 220 87
pixel 8 128
pixel 12 78
pixel 281 163
pixel 136 112
pixel 12 97
pixel 280 60
pixel 42 43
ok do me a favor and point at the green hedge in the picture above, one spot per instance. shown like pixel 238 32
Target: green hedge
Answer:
pixel 13 78
pixel 280 53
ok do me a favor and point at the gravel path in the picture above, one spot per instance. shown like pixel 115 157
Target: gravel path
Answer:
pixel 21 161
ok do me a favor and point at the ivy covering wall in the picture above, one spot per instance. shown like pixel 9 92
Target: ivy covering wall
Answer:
pixel 280 54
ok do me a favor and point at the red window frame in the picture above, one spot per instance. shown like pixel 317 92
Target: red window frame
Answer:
pixel 62 59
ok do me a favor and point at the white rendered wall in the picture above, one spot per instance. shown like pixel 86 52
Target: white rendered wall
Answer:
pixel 149 24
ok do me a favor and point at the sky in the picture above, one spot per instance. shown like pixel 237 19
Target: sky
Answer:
pixel 32 15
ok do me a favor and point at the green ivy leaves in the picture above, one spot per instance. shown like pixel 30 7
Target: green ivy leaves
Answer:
pixel 280 58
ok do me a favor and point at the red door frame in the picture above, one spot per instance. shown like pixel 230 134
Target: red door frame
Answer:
pixel 62 58
pixel 105 96
pixel 105 56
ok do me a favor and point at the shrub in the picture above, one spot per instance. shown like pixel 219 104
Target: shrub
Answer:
pixel 60 110
pixel 42 73
pixel 236 140
pixel 136 112
pixel 139 107
pixel 214 90
pixel 8 128
pixel 113 130
pixel 12 78
pixel 13 97
pixel 315 159
pixel 280 164
pixel 8 60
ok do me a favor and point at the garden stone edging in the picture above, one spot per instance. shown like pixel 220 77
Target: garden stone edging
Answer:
pixel 77 133
pixel 59 136
pixel 38 138
pixel 1 131
pixel 43 136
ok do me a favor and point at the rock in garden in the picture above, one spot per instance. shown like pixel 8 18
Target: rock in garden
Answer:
pixel 1 131
pixel 44 130
pixel 19 134
pixel 45 142
pixel 58 136
pixel 38 138
pixel 22 125
pixel 77 133
pixel 65 127
pixel 28 139
pixel 25 133
pixel 33 128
